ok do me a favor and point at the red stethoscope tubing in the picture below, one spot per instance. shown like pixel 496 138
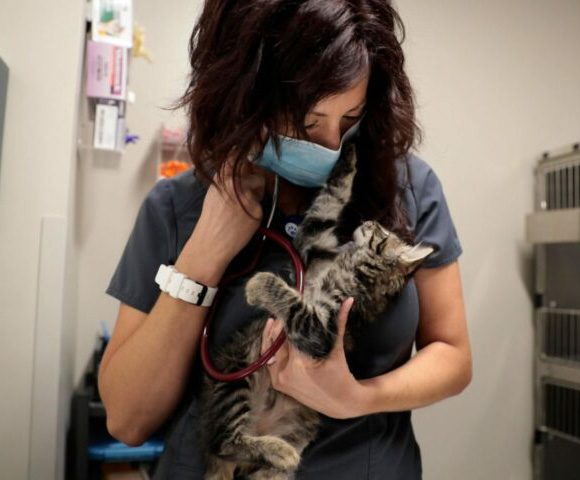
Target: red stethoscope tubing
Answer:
pixel 261 361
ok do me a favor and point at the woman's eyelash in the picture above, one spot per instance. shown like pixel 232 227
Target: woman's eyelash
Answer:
pixel 349 117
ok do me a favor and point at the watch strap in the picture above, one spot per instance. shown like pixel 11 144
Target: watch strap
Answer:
pixel 178 285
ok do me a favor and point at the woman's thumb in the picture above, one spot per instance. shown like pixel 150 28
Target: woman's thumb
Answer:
pixel 343 315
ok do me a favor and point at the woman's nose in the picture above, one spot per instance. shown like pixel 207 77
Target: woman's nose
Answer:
pixel 329 138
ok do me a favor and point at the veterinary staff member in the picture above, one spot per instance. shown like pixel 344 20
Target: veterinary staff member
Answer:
pixel 307 69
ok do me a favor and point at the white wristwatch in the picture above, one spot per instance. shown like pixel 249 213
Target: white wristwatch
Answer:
pixel 179 286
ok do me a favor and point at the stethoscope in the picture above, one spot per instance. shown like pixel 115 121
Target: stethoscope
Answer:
pixel 299 275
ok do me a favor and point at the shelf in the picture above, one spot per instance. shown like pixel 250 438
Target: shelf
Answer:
pixel 97 409
pixel 109 450
pixel 556 433
pixel 173 156
pixel 90 149
pixel 554 226
pixel 557 369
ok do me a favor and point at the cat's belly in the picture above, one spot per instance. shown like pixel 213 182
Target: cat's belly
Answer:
pixel 271 417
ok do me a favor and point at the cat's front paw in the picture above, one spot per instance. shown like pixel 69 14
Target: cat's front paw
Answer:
pixel 259 288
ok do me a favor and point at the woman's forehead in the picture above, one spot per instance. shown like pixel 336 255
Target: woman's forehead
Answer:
pixel 343 102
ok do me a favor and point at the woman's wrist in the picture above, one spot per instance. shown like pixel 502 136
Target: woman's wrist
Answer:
pixel 197 263
pixel 365 401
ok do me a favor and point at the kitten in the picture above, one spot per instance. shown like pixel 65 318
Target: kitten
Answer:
pixel 249 427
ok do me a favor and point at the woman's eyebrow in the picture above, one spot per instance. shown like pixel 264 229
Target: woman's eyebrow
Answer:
pixel 324 114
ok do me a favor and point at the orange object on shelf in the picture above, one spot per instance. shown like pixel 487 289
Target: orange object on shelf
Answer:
pixel 172 168
pixel 173 156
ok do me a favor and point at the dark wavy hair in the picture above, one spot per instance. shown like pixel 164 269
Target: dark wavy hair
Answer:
pixel 257 63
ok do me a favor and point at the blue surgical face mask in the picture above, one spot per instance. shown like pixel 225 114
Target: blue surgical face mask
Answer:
pixel 302 162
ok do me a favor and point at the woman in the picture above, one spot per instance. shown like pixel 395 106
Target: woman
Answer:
pixel 308 69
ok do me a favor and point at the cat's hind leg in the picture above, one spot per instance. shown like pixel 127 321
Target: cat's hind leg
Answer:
pixel 219 469
pixel 300 427
pixel 229 431
pixel 264 450
pixel 269 474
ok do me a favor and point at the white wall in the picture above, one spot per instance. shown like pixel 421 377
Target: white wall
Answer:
pixel 498 83
pixel 110 190
pixel 40 42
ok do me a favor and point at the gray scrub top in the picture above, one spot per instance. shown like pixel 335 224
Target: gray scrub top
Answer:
pixel 377 446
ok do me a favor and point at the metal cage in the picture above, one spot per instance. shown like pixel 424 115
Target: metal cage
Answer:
pixel 558 179
pixel 558 334
pixel 554 229
pixel 562 410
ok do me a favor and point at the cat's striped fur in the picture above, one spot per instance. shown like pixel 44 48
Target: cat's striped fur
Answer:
pixel 247 424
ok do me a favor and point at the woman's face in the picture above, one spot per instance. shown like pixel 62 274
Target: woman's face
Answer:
pixel 333 116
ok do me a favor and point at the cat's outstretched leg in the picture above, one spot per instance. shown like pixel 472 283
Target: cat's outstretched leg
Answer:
pixel 316 232
pixel 310 329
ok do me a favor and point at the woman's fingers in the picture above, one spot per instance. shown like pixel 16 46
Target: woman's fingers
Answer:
pixel 276 327
pixel 343 315
pixel 250 184
pixel 342 319
pixel 266 336
pixel 277 365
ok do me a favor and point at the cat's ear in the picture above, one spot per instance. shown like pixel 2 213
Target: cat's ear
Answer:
pixel 415 255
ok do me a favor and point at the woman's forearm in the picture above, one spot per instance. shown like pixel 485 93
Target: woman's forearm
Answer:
pixel 145 376
pixel 437 371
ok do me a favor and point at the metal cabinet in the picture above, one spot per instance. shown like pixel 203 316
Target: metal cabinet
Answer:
pixel 554 229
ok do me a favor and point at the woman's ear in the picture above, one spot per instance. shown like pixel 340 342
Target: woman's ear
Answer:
pixel 255 149
pixel 263 133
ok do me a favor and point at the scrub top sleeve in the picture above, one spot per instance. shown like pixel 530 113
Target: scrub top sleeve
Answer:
pixel 434 225
pixel 149 245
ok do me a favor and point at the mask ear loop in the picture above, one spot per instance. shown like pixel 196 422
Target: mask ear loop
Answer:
pixel 252 158
pixel 274 204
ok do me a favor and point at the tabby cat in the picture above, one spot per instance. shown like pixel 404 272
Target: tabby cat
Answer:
pixel 248 427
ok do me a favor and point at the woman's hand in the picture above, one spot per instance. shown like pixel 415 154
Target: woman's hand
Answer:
pixel 326 386
pixel 223 227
